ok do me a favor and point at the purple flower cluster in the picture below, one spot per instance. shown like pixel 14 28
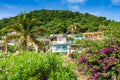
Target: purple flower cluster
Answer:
pixel 83 58
pixel 95 76
pixel 113 60
pixel 106 49
pixel 113 49
pixel 104 68
pixel 100 61
pixel 92 70
pixel 109 50
pixel 107 60
pixel 103 63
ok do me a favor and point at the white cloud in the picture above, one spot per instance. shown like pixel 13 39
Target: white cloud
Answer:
pixel 116 1
pixel 73 4
pixel 97 13
pixel 74 1
pixel 74 7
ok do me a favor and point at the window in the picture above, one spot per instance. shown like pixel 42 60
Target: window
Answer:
pixel 100 36
pixel 59 39
pixel 64 46
pixel 57 47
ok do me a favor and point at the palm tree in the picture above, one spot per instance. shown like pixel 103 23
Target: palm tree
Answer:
pixel 24 29
pixel 102 28
pixel 74 28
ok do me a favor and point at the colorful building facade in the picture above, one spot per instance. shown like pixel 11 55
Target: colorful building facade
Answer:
pixel 60 44
pixel 93 36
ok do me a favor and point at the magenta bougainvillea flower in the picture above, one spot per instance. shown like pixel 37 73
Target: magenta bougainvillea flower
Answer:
pixel 104 68
pixel 106 49
pixel 80 60
pixel 93 78
pixel 97 74
pixel 113 59
pixel 92 70
pixel 103 63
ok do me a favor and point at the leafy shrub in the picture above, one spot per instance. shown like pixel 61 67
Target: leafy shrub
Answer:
pixel 75 55
pixel 32 66
pixel 11 49
pixel 103 63
pixel 93 45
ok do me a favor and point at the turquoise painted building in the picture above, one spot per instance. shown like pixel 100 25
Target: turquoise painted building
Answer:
pixel 64 48
pixel 78 37
pixel 60 44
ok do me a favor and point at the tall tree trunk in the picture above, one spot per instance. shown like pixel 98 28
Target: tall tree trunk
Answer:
pixel 24 45
pixel 6 48
pixel 35 46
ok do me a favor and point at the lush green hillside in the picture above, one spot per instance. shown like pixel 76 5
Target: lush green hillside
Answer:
pixel 60 21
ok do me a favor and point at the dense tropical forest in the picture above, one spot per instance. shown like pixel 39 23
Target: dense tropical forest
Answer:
pixel 61 21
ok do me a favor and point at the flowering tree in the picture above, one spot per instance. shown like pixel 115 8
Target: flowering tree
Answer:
pixel 103 64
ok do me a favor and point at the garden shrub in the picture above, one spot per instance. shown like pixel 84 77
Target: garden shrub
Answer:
pixel 11 48
pixel 33 66
pixel 103 64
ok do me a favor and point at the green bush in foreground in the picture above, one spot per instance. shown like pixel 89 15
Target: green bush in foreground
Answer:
pixel 32 66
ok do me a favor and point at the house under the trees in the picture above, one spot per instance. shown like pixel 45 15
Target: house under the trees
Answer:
pixel 60 44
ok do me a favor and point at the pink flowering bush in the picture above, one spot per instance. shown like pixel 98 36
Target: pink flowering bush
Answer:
pixel 103 63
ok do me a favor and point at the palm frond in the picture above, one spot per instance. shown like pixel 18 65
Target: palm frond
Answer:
pixel 39 30
pixel 32 23
pixel 11 37
pixel 7 29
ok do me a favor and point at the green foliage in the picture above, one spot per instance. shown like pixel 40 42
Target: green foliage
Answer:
pixel 75 55
pixel 95 45
pixel 32 66
pixel 59 21
pixel 113 30
pixel 11 49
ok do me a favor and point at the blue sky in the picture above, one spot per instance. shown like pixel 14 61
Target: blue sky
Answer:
pixel 107 8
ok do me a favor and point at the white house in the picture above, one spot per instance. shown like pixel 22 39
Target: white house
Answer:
pixel 60 43
pixel 58 38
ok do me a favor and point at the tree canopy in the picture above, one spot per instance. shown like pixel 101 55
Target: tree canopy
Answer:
pixel 59 21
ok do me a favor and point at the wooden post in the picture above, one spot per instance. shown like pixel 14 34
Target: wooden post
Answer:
pixel 68 53
pixel 6 48
pixel 36 48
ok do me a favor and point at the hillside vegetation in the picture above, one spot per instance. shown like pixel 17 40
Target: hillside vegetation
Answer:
pixel 60 21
